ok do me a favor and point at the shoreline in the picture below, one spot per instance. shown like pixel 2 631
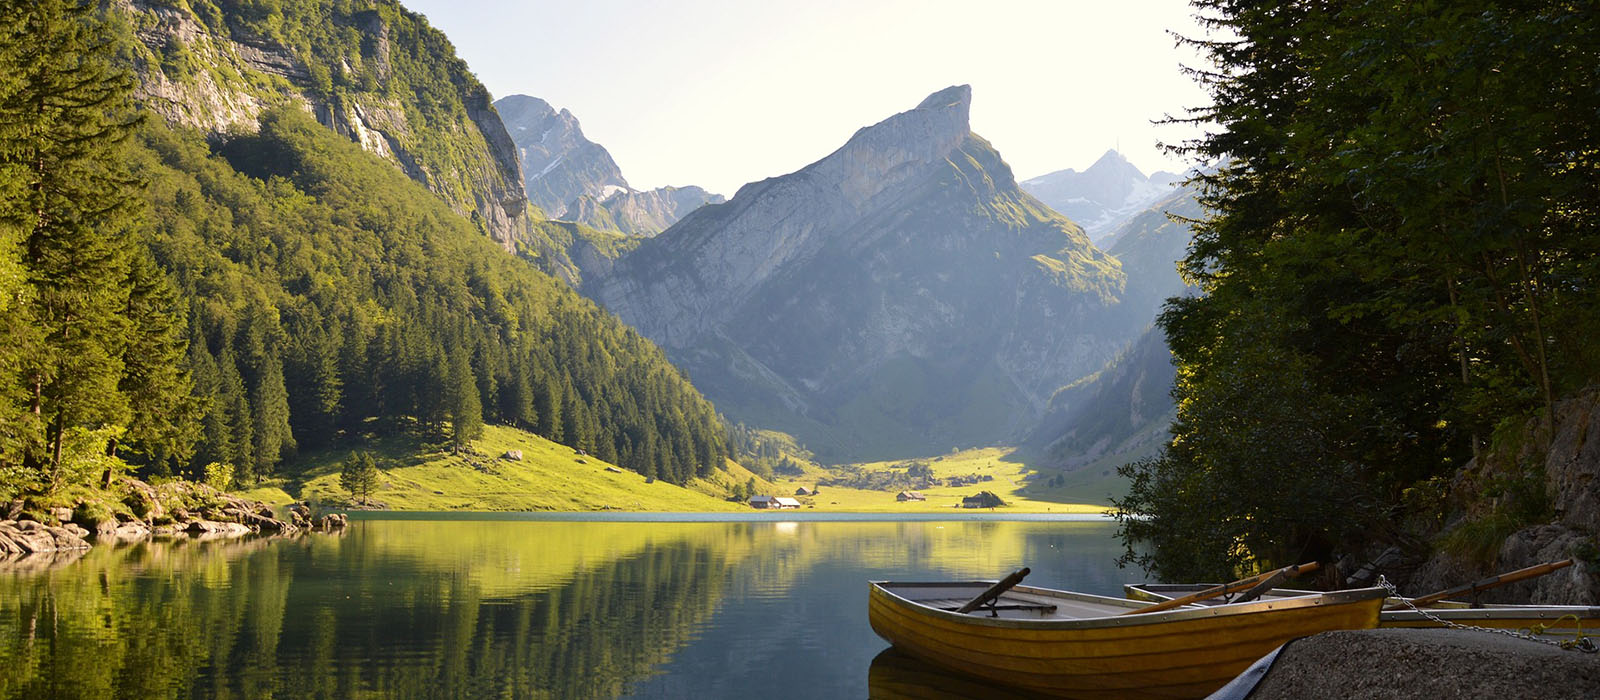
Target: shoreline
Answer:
pixel 623 516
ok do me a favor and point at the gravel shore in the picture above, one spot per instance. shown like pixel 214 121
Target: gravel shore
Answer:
pixel 1428 663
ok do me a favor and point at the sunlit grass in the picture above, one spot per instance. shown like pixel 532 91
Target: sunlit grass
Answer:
pixel 999 462
pixel 550 476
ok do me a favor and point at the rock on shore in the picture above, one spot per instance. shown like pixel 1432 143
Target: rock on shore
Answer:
pixel 135 510
pixel 1428 663
pixel 29 537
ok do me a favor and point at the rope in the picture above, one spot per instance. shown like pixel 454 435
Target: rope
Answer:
pixel 1578 643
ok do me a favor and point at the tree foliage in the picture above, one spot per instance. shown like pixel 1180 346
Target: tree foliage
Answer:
pixel 90 325
pixel 1402 256
pixel 335 298
pixel 358 474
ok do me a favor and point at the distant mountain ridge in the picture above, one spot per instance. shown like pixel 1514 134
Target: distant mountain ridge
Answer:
pixel 574 179
pixel 1103 196
pixel 900 293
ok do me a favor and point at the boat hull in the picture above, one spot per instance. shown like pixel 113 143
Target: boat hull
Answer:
pixel 1186 653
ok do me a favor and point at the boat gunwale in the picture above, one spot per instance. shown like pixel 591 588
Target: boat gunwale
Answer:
pixel 1112 621
pixel 1505 611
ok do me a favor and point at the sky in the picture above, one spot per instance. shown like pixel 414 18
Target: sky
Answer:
pixel 718 93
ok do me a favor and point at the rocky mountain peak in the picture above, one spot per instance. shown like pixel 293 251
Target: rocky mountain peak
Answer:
pixel 1103 196
pixel 523 108
pixel 900 291
pixel 559 164
pixel 1114 164
pixel 875 158
pixel 955 96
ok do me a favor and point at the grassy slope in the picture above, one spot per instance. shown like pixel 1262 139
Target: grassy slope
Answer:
pixel 418 476
pixel 1000 462
pixel 425 477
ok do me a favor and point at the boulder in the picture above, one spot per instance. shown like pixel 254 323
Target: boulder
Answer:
pixel 132 530
pixel 512 455
pixel 332 521
pixel 29 537
pixel 63 515
pixel 143 500
pixel 217 528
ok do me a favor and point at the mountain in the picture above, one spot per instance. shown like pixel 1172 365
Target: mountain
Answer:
pixel 372 72
pixel 898 294
pixel 1123 410
pixel 638 213
pixel 1102 197
pixel 1150 244
pixel 319 236
pixel 575 179
pixel 558 162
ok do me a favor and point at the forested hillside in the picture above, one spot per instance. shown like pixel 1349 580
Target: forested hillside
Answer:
pixel 295 249
pixel 177 301
pixel 1399 277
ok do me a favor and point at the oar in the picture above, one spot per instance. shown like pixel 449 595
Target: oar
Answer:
pixel 1486 584
pixel 994 591
pixel 1235 587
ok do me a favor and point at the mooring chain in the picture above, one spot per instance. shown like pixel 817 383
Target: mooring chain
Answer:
pixel 1580 643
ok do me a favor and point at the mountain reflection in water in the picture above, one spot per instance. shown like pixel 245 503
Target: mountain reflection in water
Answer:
pixel 468 607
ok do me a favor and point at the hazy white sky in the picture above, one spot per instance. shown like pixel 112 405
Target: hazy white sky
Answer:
pixel 718 93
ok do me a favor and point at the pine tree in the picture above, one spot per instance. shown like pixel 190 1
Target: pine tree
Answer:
pixel 19 338
pixel 461 400
pixel 64 124
pixel 238 423
pixel 163 426
pixel 274 440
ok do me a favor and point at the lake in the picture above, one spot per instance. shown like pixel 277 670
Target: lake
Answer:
pixel 514 606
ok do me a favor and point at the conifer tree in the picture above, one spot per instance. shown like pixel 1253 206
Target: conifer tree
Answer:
pixel 163 425
pixel 65 122
pixel 270 400
pixel 461 399
pixel 234 404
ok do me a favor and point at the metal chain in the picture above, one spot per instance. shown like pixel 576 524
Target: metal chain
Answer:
pixel 1580 644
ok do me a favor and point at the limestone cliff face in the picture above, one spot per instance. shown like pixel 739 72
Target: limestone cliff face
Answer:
pixel 206 65
pixel 901 293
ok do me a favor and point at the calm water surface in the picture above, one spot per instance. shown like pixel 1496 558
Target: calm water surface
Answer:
pixel 454 606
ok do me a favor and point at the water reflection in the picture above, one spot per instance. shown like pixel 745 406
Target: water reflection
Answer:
pixel 514 609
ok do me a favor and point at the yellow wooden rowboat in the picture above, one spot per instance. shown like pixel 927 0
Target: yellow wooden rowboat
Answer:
pixel 1556 621
pixel 1078 645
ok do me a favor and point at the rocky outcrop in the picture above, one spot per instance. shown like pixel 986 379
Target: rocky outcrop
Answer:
pixel 171 509
pixel 898 294
pixel 217 74
pixel 1570 472
pixel 331 521
pixel 23 537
